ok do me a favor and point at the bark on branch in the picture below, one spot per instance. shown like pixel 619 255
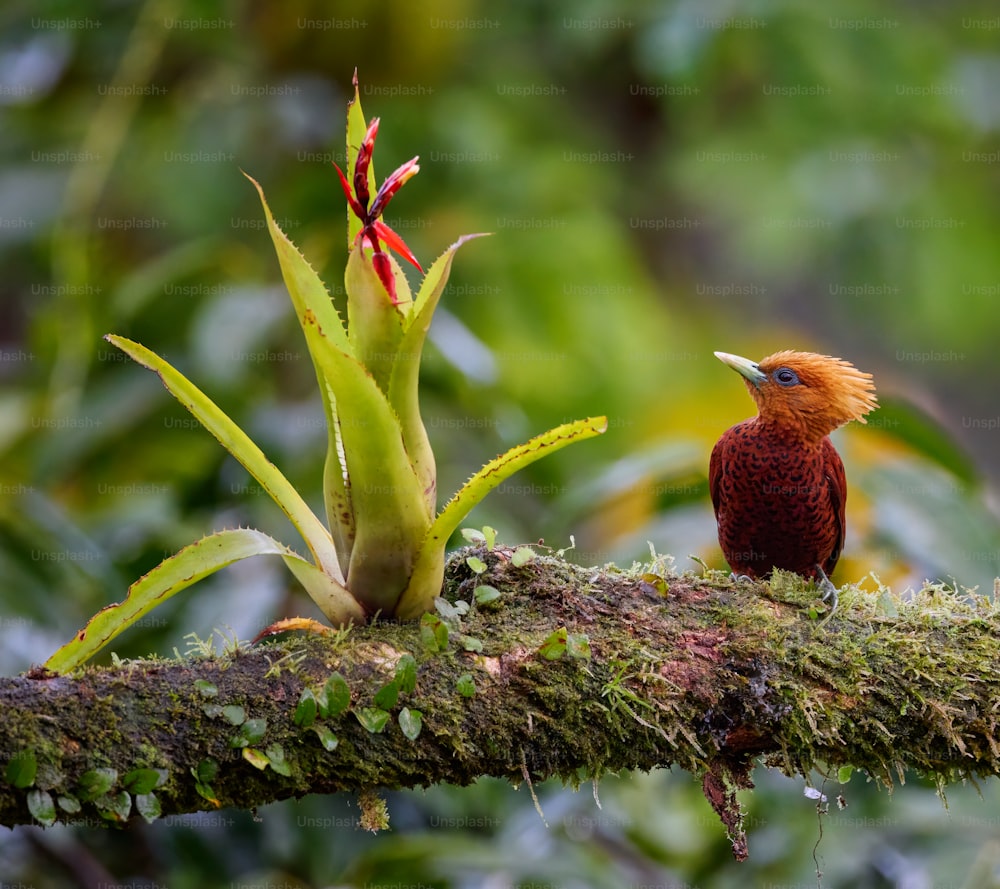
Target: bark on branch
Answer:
pixel 695 672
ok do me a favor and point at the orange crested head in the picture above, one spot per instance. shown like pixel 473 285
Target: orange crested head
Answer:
pixel 804 392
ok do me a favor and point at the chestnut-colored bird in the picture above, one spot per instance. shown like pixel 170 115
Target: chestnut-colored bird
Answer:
pixel 777 483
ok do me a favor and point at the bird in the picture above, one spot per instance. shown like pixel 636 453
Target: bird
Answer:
pixel 777 483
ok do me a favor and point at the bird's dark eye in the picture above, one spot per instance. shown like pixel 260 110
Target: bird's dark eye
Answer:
pixel 785 376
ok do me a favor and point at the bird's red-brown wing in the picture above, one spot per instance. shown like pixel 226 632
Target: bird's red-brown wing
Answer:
pixel 833 468
pixel 715 473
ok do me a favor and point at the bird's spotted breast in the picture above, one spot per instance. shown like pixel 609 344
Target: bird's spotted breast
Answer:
pixel 776 503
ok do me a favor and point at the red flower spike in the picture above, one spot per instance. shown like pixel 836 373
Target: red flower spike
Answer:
pixel 373 230
pixel 362 163
pixel 393 184
pixel 383 268
pixel 356 208
pixel 395 242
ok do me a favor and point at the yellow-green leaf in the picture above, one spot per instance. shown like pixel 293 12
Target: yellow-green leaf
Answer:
pixel 390 513
pixel 375 325
pixel 309 294
pixel 243 448
pixel 403 384
pixel 257 759
pixel 425 582
pixel 191 564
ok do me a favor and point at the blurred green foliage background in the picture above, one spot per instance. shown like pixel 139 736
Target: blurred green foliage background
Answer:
pixel 663 180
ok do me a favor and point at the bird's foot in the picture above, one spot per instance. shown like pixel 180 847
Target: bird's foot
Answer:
pixel 828 590
pixel 740 578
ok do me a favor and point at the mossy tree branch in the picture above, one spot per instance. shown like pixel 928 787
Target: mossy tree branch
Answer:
pixel 695 672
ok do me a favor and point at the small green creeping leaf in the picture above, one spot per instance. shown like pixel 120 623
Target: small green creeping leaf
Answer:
pixel 338 696
pixel 476 564
pixel 276 759
pixel 205 791
pixel 254 730
pixel 148 806
pixel 206 771
pixel 485 594
pixel 655 583
pixel 205 688
pixel 21 770
pixel 42 809
pixel 69 804
pixel 433 633
pixel 234 714
pixel 411 721
pixel 327 738
pixel 490 536
pixel 844 774
pixel 470 643
pixel 522 555
pixel 473 535
pixel 554 646
pixel 466 685
pixel 204 774
pixel 387 695
pixel 115 806
pixel 305 710
pixel 257 759
pixel 373 719
pixel 450 611
pixel 406 674
pixel 140 781
pixel 95 783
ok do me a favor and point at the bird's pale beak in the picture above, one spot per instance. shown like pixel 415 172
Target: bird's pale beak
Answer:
pixel 744 367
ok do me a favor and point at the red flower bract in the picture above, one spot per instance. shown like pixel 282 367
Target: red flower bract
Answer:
pixel 374 232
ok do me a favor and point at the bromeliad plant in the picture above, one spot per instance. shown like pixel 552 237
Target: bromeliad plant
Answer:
pixel 384 551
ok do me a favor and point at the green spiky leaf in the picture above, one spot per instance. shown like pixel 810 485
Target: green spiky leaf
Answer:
pixel 194 562
pixel 425 582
